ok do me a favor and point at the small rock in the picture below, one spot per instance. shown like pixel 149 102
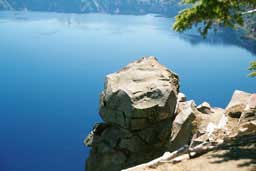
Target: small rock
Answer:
pixel 205 108
pixel 181 97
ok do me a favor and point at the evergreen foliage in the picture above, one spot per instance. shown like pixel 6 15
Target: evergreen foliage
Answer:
pixel 210 14
pixel 253 69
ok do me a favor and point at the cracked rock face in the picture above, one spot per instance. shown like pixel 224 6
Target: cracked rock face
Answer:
pixel 116 148
pixel 137 106
pixel 142 93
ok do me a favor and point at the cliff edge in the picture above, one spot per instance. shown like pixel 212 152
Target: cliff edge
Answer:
pixel 150 125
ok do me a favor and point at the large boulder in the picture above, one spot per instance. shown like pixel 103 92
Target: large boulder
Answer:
pixel 138 107
pixel 141 94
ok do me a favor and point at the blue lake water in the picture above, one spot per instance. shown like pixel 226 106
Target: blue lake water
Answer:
pixel 52 69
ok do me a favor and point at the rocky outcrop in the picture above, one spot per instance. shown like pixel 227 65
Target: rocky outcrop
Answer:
pixel 138 108
pixel 216 133
pixel 146 116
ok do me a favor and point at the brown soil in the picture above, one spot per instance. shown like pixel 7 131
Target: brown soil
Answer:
pixel 237 155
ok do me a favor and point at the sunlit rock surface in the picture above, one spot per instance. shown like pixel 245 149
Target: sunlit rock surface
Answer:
pixel 139 95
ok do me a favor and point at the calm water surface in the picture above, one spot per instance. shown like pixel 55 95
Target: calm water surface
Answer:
pixel 52 69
